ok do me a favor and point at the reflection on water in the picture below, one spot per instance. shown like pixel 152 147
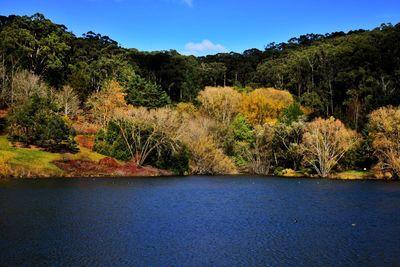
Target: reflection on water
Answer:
pixel 199 221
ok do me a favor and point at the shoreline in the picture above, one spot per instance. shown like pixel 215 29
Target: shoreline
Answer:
pixel 116 176
pixel 29 163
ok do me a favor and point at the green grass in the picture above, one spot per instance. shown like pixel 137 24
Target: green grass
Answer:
pixel 32 162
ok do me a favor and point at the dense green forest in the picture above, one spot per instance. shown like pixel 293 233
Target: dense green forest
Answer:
pixel 341 74
pixel 336 75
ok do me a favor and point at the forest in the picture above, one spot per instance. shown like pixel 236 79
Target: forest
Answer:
pixel 316 105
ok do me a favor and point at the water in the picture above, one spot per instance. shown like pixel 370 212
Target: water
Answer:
pixel 199 221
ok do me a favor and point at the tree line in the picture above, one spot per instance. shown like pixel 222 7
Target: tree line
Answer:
pixel 345 75
pixel 315 104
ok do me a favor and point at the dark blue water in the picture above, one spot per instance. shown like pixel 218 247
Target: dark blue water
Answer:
pixel 199 221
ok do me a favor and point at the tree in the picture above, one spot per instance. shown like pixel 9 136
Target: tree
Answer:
pixel 36 122
pixel 260 156
pixel 264 105
pixel 138 140
pixel 287 142
pixel 5 95
pixel 242 129
pixel 313 102
pixel 384 130
pixel 105 103
pixel 206 157
pixel 144 93
pixel 37 44
pixel 26 85
pixel 68 100
pixel 213 74
pixel 220 103
pixel 291 114
pixel 145 137
pixel 325 142
pixel 239 139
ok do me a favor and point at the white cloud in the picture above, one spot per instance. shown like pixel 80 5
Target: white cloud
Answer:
pixel 204 47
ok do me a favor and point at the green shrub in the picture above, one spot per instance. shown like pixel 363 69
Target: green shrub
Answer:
pixel 37 122
pixel 176 161
pixel 111 142
pixel 291 114
pixel 279 171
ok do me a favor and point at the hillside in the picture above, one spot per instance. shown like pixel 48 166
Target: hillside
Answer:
pixel 316 105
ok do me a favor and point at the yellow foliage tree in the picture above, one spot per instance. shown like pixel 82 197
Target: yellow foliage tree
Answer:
pixel 187 110
pixel 384 127
pixel 325 142
pixel 264 105
pixel 205 155
pixel 105 103
pixel 193 131
pixel 220 103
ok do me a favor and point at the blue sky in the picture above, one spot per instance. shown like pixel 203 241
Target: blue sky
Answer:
pixel 207 26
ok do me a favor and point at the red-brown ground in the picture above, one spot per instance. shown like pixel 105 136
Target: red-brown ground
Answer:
pixel 107 167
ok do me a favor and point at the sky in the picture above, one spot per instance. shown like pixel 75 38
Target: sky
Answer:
pixel 201 27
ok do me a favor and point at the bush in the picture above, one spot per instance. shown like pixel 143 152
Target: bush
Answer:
pixel 264 105
pixel 143 143
pixel 242 129
pixel 176 161
pixel 37 122
pixel 109 142
pixel 291 114
pixel 220 103
pixel 206 157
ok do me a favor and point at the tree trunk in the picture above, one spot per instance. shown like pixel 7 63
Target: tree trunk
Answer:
pixel 224 79
pixel 331 95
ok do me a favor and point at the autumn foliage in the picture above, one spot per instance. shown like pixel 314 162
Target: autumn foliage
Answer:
pixel 220 103
pixel 264 105
pixel 105 103
pixel 384 128
pixel 325 142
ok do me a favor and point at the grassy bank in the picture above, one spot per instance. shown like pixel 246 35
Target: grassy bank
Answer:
pixel 344 175
pixel 354 175
pixel 28 162
pixel 31 162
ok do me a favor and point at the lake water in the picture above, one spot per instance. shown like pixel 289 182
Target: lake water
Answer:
pixel 199 221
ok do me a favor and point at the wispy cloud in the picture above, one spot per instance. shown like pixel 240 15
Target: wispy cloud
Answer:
pixel 188 2
pixel 204 47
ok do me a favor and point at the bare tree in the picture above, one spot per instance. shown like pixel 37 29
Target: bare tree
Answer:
pixel 144 137
pixel 384 127
pixel 68 100
pixel 325 142
pixel 26 84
